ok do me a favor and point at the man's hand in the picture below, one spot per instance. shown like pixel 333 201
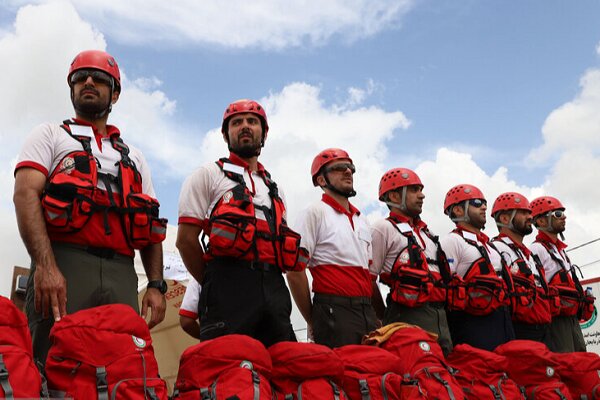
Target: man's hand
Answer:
pixel 154 300
pixel 50 291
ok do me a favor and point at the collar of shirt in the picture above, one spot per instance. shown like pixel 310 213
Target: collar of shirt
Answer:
pixel 110 131
pixel 544 237
pixel 481 237
pixel 235 159
pixel 413 222
pixel 330 201
pixel 526 252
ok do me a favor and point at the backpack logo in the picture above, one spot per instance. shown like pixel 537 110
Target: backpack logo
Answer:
pixel 424 346
pixel 139 342
pixel 246 364
pixel 550 372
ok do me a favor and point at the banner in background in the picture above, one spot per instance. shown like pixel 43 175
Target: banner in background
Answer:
pixel 591 328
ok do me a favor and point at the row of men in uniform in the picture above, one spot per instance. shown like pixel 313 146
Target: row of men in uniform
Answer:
pixel 465 287
pixel 84 202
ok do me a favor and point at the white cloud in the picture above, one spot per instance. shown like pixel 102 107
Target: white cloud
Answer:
pixel 270 24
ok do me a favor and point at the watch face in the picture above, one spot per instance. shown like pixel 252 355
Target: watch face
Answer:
pixel 160 285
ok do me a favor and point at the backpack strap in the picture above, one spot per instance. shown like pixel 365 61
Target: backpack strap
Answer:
pixel 101 383
pixel 445 383
pixel 336 390
pixel 441 259
pixel 496 393
pixel 205 394
pixel 413 247
pixel 84 140
pixel 151 392
pixel 363 386
pixel 4 382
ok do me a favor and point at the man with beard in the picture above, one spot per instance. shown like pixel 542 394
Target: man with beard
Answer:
pixel 478 294
pixel 78 189
pixel 550 219
pixel 409 259
pixel 238 207
pixel 337 239
pixel 530 308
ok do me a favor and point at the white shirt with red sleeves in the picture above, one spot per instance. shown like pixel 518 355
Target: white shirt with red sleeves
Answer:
pixel 388 242
pixel 205 186
pixel 47 146
pixel 339 246
pixel 191 299
pixel 510 256
pixel 461 255
pixel 551 267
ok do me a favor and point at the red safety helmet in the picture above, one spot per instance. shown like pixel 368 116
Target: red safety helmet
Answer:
pixel 460 193
pixel 510 201
pixel 245 106
pixel 396 178
pixel 325 157
pixel 96 59
pixel 545 204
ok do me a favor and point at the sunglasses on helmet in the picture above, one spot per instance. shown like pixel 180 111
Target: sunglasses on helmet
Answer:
pixel 477 203
pixel 557 213
pixel 341 168
pixel 98 76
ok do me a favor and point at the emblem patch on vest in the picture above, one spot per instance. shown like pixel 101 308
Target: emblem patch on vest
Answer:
pixel 549 371
pixel 139 342
pixel 68 164
pixel 227 196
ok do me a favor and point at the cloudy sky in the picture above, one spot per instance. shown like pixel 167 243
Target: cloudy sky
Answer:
pixel 504 95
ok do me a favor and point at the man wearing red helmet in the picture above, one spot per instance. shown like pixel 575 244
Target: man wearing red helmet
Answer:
pixel 530 305
pixel 338 242
pixel 84 201
pixel 478 294
pixel 236 205
pixel 409 259
pixel 550 219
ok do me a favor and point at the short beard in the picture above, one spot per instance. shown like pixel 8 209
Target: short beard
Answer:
pixel 523 230
pixel 246 151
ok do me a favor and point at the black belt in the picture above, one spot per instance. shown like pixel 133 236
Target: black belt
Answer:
pixel 341 300
pixel 102 252
pixel 255 265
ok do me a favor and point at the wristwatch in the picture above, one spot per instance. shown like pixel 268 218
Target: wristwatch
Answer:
pixel 160 285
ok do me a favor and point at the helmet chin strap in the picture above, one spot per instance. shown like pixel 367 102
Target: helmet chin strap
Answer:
pixel 510 224
pixel 401 206
pixel 329 186
pixel 465 218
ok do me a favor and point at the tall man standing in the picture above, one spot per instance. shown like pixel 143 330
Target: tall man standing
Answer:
pixel 78 191
pixel 237 205
pixel 482 318
pixel 409 258
pixel 338 241
pixel 550 219
pixel 530 306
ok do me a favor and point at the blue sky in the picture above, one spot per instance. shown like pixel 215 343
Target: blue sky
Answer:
pixel 487 92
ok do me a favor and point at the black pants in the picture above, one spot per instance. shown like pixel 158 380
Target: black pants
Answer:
pixel 91 281
pixel 341 320
pixel 484 332
pixel 431 317
pixel 537 332
pixel 244 298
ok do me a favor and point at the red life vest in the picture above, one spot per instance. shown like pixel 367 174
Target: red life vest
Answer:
pixel 573 301
pixel 530 295
pixel 235 231
pixel 72 196
pixel 481 291
pixel 411 281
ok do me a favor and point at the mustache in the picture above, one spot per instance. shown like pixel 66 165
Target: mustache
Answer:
pixel 91 89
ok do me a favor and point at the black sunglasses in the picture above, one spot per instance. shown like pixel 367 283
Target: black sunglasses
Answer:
pixel 477 203
pixel 341 168
pixel 556 213
pixel 100 77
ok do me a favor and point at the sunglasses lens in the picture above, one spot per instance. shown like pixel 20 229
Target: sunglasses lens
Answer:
pixel 477 202
pixel 342 168
pixel 558 213
pixel 97 76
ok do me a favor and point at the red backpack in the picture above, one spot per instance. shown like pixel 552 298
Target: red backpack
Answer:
pixel 230 366
pixel 103 352
pixel 422 360
pixel 306 371
pixel 580 371
pixel 370 373
pixel 482 375
pixel 532 365
pixel 19 377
